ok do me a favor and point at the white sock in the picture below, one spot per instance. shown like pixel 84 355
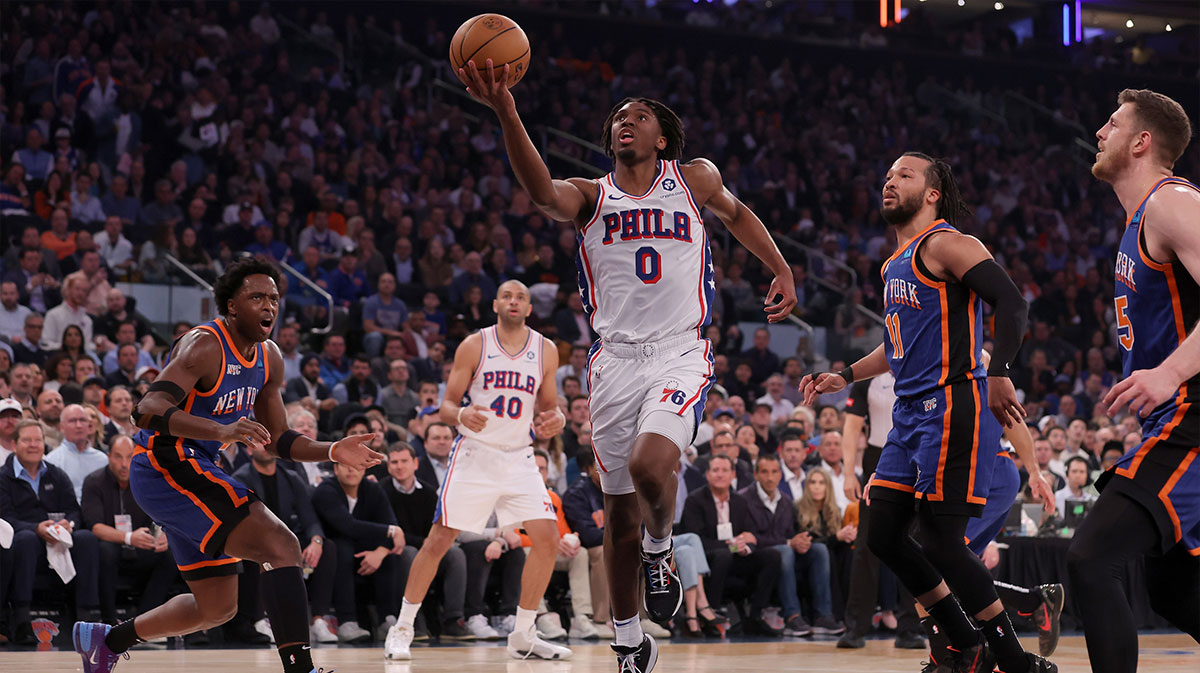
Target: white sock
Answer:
pixel 408 613
pixel 629 631
pixel 654 545
pixel 525 620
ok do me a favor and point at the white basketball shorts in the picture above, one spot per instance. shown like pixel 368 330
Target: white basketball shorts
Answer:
pixel 629 381
pixel 482 479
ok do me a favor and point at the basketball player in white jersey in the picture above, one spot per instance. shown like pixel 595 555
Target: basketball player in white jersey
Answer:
pixel 504 375
pixel 646 280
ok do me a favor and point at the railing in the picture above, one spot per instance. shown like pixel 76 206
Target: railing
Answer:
pixel 187 271
pixel 315 288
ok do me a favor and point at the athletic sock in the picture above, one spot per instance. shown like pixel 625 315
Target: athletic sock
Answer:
pixel 954 622
pixel 939 644
pixel 629 631
pixel 653 545
pixel 1024 601
pixel 408 613
pixel 1010 656
pixel 122 637
pixel 296 659
pixel 285 600
pixel 525 620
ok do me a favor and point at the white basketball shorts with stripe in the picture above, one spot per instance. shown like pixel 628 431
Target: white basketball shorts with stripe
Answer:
pixel 628 381
pixel 482 479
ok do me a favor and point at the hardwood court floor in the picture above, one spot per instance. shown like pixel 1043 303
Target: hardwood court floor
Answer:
pixel 1159 654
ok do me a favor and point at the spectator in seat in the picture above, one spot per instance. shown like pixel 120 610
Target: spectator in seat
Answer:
pixel 30 491
pixel 399 402
pixel 439 439
pixel 576 366
pixel 472 275
pixel 72 311
pixel 28 350
pixel 494 548
pixel 108 324
pixel 363 533
pixel 10 415
pixel 286 494
pixel 429 368
pixel 127 366
pixel 345 283
pixel 781 407
pixel 266 246
pixel 119 202
pixel 384 315
pixel 114 248
pixel 763 362
pixel 163 210
pixel 721 518
pixel 309 389
pixel 288 340
pixel 129 547
pixel 127 336
pixel 1078 478
pixel 119 403
pixel 793 449
pixel 49 413
pixel 334 367
pixel 414 505
pixel 723 444
pixel 572 324
pixel 358 387
pixel 36 288
pixel 76 455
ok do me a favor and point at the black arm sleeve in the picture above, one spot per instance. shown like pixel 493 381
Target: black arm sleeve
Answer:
pixel 989 280
pixel 856 404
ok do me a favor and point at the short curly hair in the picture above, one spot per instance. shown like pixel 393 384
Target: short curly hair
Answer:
pixel 228 284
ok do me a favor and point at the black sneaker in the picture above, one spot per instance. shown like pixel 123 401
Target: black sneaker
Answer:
pixel 908 640
pixel 849 641
pixel 757 626
pixel 827 626
pixel 663 594
pixel 1040 664
pixel 977 659
pixel 796 627
pixel 1046 617
pixel 456 630
pixel 640 659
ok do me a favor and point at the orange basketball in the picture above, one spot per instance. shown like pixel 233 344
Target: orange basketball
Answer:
pixel 491 36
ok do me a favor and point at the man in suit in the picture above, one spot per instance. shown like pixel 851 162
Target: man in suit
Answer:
pixel 30 490
pixel 721 518
pixel 287 496
pixel 724 445
pixel 439 438
pixel 36 288
pixel 308 389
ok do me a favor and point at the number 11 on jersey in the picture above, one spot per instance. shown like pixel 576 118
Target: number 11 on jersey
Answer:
pixel 893 327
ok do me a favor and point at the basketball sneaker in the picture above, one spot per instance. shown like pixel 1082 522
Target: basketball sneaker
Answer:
pixel 1040 664
pixel 977 659
pixel 526 644
pixel 663 593
pixel 398 642
pixel 640 659
pixel 88 638
pixel 1046 617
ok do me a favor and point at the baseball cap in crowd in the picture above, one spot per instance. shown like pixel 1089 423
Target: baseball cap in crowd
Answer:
pixel 94 381
pixel 724 412
pixel 427 411
pixel 9 404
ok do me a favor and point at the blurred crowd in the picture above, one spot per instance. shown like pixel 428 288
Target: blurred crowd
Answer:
pixel 131 133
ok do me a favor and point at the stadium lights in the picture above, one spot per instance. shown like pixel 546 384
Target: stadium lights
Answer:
pixel 999 6
pixel 1168 28
pixel 962 2
pixel 1129 23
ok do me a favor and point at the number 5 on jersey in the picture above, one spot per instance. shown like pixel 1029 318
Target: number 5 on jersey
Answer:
pixel 893 327
pixel 1124 327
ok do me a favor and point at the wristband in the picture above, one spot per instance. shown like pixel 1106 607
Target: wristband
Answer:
pixel 332 446
pixel 129 539
pixel 283 446
pixel 460 410
pixel 847 374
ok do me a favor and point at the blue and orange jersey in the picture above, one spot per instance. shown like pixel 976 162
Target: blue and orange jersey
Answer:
pixel 934 327
pixel 230 399
pixel 1156 304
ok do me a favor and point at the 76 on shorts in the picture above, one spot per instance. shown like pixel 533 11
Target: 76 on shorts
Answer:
pixel 676 396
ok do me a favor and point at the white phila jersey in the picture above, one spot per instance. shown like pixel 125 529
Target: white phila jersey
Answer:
pixel 645 269
pixel 507 384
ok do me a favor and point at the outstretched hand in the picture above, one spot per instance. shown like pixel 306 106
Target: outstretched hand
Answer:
pixel 490 88
pixel 785 287
pixel 355 451
pixel 816 384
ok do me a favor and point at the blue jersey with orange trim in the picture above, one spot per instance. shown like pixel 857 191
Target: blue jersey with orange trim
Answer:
pixel 645 269
pixel 1156 304
pixel 934 327
pixel 228 401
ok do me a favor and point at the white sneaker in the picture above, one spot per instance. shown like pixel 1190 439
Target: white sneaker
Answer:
pixel 549 625
pixel 386 625
pixel 263 626
pixel 504 625
pixel 320 631
pixel 399 639
pixel 654 629
pixel 583 628
pixel 527 644
pixel 604 631
pixel 351 632
pixel 478 626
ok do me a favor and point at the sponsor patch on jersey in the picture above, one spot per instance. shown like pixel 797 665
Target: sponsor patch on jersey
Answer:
pixel 668 184
pixel 233 369
pixel 930 404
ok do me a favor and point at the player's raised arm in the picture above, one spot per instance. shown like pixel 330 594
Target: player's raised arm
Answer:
pixel 196 358
pixel 562 200
pixel 466 359
pixel 869 366
pixel 964 259
pixel 1173 228
pixel 549 420
pixel 745 226
pixel 287 443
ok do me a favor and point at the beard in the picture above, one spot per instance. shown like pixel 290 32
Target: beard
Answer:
pixel 903 211
pixel 1111 163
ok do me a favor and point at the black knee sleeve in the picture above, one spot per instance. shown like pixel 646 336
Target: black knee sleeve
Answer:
pixel 285 599
pixel 944 542
pixel 889 539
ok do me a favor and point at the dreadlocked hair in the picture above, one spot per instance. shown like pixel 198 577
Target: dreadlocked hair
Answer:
pixel 228 284
pixel 940 176
pixel 668 121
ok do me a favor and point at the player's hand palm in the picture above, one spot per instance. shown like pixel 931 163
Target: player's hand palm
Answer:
pixel 355 451
pixel 1142 391
pixel 825 382
pixel 784 286
pixel 489 87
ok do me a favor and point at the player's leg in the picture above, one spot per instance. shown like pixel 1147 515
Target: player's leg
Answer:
pixel 425 566
pixel 652 466
pixel 1173 582
pixel 539 565
pixel 1096 565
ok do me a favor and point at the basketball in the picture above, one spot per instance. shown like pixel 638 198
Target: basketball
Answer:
pixel 491 36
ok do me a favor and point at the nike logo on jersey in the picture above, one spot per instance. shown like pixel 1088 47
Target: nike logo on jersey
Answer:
pixel 493 356
pixel 615 197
